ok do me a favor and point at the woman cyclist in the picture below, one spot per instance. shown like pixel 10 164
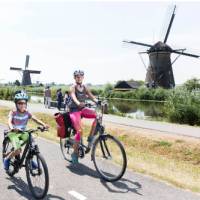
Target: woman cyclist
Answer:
pixel 79 93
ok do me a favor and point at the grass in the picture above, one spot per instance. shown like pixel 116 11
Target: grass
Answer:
pixel 175 160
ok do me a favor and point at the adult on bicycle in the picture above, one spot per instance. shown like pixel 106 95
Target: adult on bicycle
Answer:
pixel 79 93
pixel 17 122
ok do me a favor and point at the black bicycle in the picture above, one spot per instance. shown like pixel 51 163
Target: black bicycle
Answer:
pixel 107 152
pixel 37 176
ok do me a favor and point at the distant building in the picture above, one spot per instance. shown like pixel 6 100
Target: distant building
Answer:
pixel 127 85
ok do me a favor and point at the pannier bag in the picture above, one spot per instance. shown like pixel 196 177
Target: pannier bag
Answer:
pixel 63 122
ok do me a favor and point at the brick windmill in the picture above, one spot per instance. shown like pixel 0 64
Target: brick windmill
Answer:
pixel 160 72
pixel 26 73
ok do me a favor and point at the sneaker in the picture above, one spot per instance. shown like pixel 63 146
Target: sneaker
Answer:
pixel 6 164
pixel 34 165
pixel 90 142
pixel 74 157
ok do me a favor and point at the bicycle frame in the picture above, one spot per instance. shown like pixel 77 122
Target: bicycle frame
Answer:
pixel 28 150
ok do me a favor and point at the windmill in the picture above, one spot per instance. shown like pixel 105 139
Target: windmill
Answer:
pixel 159 72
pixel 26 73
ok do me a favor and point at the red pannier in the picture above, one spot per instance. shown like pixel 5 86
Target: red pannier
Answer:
pixel 63 124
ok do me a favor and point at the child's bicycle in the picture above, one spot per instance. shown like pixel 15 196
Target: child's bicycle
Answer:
pixel 107 152
pixel 37 177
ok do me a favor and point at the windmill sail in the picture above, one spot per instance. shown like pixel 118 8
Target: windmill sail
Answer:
pixel 138 43
pixel 27 61
pixel 16 68
pixel 170 25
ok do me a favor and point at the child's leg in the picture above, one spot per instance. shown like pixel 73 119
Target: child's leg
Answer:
pixel 14 139
pixel 14 153
pixel 17 140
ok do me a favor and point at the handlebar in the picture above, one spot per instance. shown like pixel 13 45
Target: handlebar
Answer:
pixel 92 105
pixel 39 128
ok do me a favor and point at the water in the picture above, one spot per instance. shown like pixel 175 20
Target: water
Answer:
pixel 36 99
pixel 137 110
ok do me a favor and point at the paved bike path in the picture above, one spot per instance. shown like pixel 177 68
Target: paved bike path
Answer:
pixel 82 182
pixel 164 127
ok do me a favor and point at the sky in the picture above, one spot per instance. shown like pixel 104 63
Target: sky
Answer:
pixel 62 36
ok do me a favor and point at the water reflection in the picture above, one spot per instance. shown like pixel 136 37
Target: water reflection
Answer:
pixel 138 110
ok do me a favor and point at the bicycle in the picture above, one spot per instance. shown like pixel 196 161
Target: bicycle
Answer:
pixel 30 153
pixel 106 150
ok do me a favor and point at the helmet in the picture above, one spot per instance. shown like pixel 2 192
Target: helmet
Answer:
pixel 20 95
pixel 78 72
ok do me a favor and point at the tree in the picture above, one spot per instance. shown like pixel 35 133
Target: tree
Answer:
pixel 17 83
pixel 192 84
pixel 108 87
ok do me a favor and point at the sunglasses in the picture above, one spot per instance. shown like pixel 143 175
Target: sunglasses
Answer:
pixel 21 103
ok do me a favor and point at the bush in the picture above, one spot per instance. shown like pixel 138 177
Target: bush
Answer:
pixel 6 93
pixel 161 94
pixel 182 107
pixel 145 94
pixel 192 84
pixel 141 93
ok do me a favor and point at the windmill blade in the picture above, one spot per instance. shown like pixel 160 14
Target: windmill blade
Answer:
pixel 34 71
pixel 182 50
pixel 142 60
pixel 170 25
pixel 186 54
pixel 16 68
pixel 138 43
pixel 27 61
pixel 142 52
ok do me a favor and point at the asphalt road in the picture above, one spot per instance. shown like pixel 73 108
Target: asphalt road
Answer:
pixel 168 128
pixel 83 183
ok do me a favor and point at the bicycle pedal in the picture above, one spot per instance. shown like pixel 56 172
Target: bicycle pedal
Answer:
pixel 87 150
pixel 81 152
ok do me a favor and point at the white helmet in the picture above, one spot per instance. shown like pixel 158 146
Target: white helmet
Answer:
pixel 20 95
pixel 78 72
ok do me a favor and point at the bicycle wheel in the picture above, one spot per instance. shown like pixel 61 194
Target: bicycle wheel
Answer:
pixel 109 158
pixel 37 176
pixel 66 148
pixel 6 150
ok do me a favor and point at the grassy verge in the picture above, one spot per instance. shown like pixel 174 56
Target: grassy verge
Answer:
pixel 172 159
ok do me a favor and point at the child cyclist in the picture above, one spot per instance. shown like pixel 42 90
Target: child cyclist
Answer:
pixel 79 93
pixel 17 122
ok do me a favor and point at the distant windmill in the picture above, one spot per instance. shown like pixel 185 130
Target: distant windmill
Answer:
pixel 159 71
pixel 26 74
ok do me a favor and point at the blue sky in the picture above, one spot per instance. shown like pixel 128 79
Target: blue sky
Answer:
pixel 62 36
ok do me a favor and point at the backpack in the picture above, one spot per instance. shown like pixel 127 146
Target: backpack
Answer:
pixel 64 124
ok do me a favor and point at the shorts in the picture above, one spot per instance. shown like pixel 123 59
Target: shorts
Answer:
pixel 18 139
